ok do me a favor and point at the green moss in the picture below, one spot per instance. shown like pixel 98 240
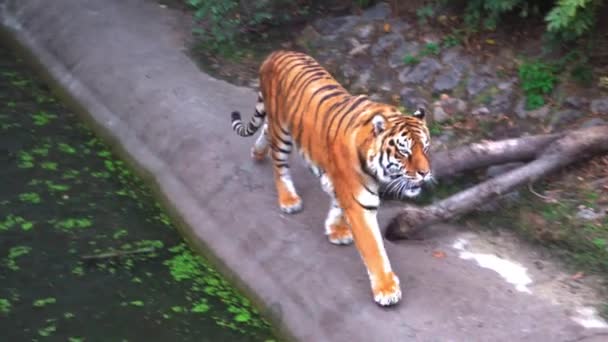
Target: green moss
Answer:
pixel 201 307
pixel 26 160
pixel 30 197
pixel 12 220
pixel 52 186
pixel 5 306
pixel 49 166
pixel 68 315
pixel 42 118
pixel 39 303
pixel 186 266
pixel 73 223
pixel 78 270
pixel 13 254
pixel 119 234
pixel 136 303
pixel 75 339
pixel 63 147
pixel 47 331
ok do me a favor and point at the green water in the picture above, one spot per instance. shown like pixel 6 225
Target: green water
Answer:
pixel 86 252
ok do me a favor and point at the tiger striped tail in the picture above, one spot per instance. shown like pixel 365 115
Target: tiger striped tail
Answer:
pixel 254 124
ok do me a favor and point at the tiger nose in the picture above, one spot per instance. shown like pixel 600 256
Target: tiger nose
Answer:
pixel 423 173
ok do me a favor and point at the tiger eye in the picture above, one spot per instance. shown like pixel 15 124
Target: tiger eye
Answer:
pixel 391 142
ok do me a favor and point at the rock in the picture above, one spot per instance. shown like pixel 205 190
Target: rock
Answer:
pixel 328 26
pixel 396 58
pixel 520 108
pixel 575 102
pixel 439 115
pixel 358 48
pixel 481 111
pixel 386 44
pixel 593 122
pixel 566 116
pixel 362 83
pixel 452 105
pixel 455 59
pixel 501 102
pixel 589 214
pixel 496 170
pixel 307 36
pixel 448 79
pixel 348 71
pixel 540 113
pixel 600 106
pixel 412 99
pixel 378 12
pixel 420 73
pixel 364 31
pixel 477 83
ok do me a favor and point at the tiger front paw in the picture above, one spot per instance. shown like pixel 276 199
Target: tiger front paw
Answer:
pixel 290 203
pixel 339 234
pixel 387 291
pixel 258 156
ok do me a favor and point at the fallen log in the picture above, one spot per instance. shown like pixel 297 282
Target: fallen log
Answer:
pixel 559 151
pixel 488 153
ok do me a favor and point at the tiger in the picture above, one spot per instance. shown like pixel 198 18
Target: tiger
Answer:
pixel 360 150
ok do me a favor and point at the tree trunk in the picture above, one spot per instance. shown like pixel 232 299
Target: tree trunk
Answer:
pixel 558 152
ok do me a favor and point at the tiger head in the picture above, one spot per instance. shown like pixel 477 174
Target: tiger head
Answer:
pixel 397 156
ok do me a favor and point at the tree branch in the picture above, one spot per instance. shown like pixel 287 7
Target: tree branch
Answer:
pixel 559 152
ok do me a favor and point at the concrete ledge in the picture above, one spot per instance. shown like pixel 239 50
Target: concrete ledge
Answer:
pixel 121 62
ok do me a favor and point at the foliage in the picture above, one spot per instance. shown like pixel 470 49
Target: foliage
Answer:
pixel 225 22
pixel 537 79
pixel 424 13
pixel 565 19
pixel 411 60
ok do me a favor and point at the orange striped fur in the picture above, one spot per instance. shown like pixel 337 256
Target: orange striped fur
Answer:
pixel 361 150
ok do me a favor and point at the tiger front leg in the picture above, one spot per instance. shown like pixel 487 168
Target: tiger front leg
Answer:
pixel 289 200
pixel 368 239
pixel 337 228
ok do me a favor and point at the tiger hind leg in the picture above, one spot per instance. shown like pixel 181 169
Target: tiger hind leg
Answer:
pixel 281 146
pixel 337 228
pixel 262 144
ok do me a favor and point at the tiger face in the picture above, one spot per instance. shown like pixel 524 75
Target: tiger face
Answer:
pixel 399 157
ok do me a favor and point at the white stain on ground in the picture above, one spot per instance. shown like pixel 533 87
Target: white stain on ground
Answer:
pixel 517 275
pixel 512 272
pixel 589 318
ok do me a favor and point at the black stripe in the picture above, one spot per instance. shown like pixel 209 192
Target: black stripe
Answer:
pixel 288 143
pixel 278 149
pixel 323 99
pixel 363 163
pixel 330 113
pixel 317 92
pixel 282 165
pixel 345 114
pixel 368 189
pixel 366 207
pixel 304 77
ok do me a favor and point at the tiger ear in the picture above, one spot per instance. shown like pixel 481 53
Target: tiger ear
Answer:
pixel 419 113
pixel 379 124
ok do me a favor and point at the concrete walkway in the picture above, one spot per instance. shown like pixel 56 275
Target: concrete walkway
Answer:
pixel 122 62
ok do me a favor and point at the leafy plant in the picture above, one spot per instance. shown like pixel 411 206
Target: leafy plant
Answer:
pixel 537 79
pixel 430 49
pixel 424 13
pixel 566 19
pixel 570 19
pixel 450 40
pixel 411 60
pixel 224 23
